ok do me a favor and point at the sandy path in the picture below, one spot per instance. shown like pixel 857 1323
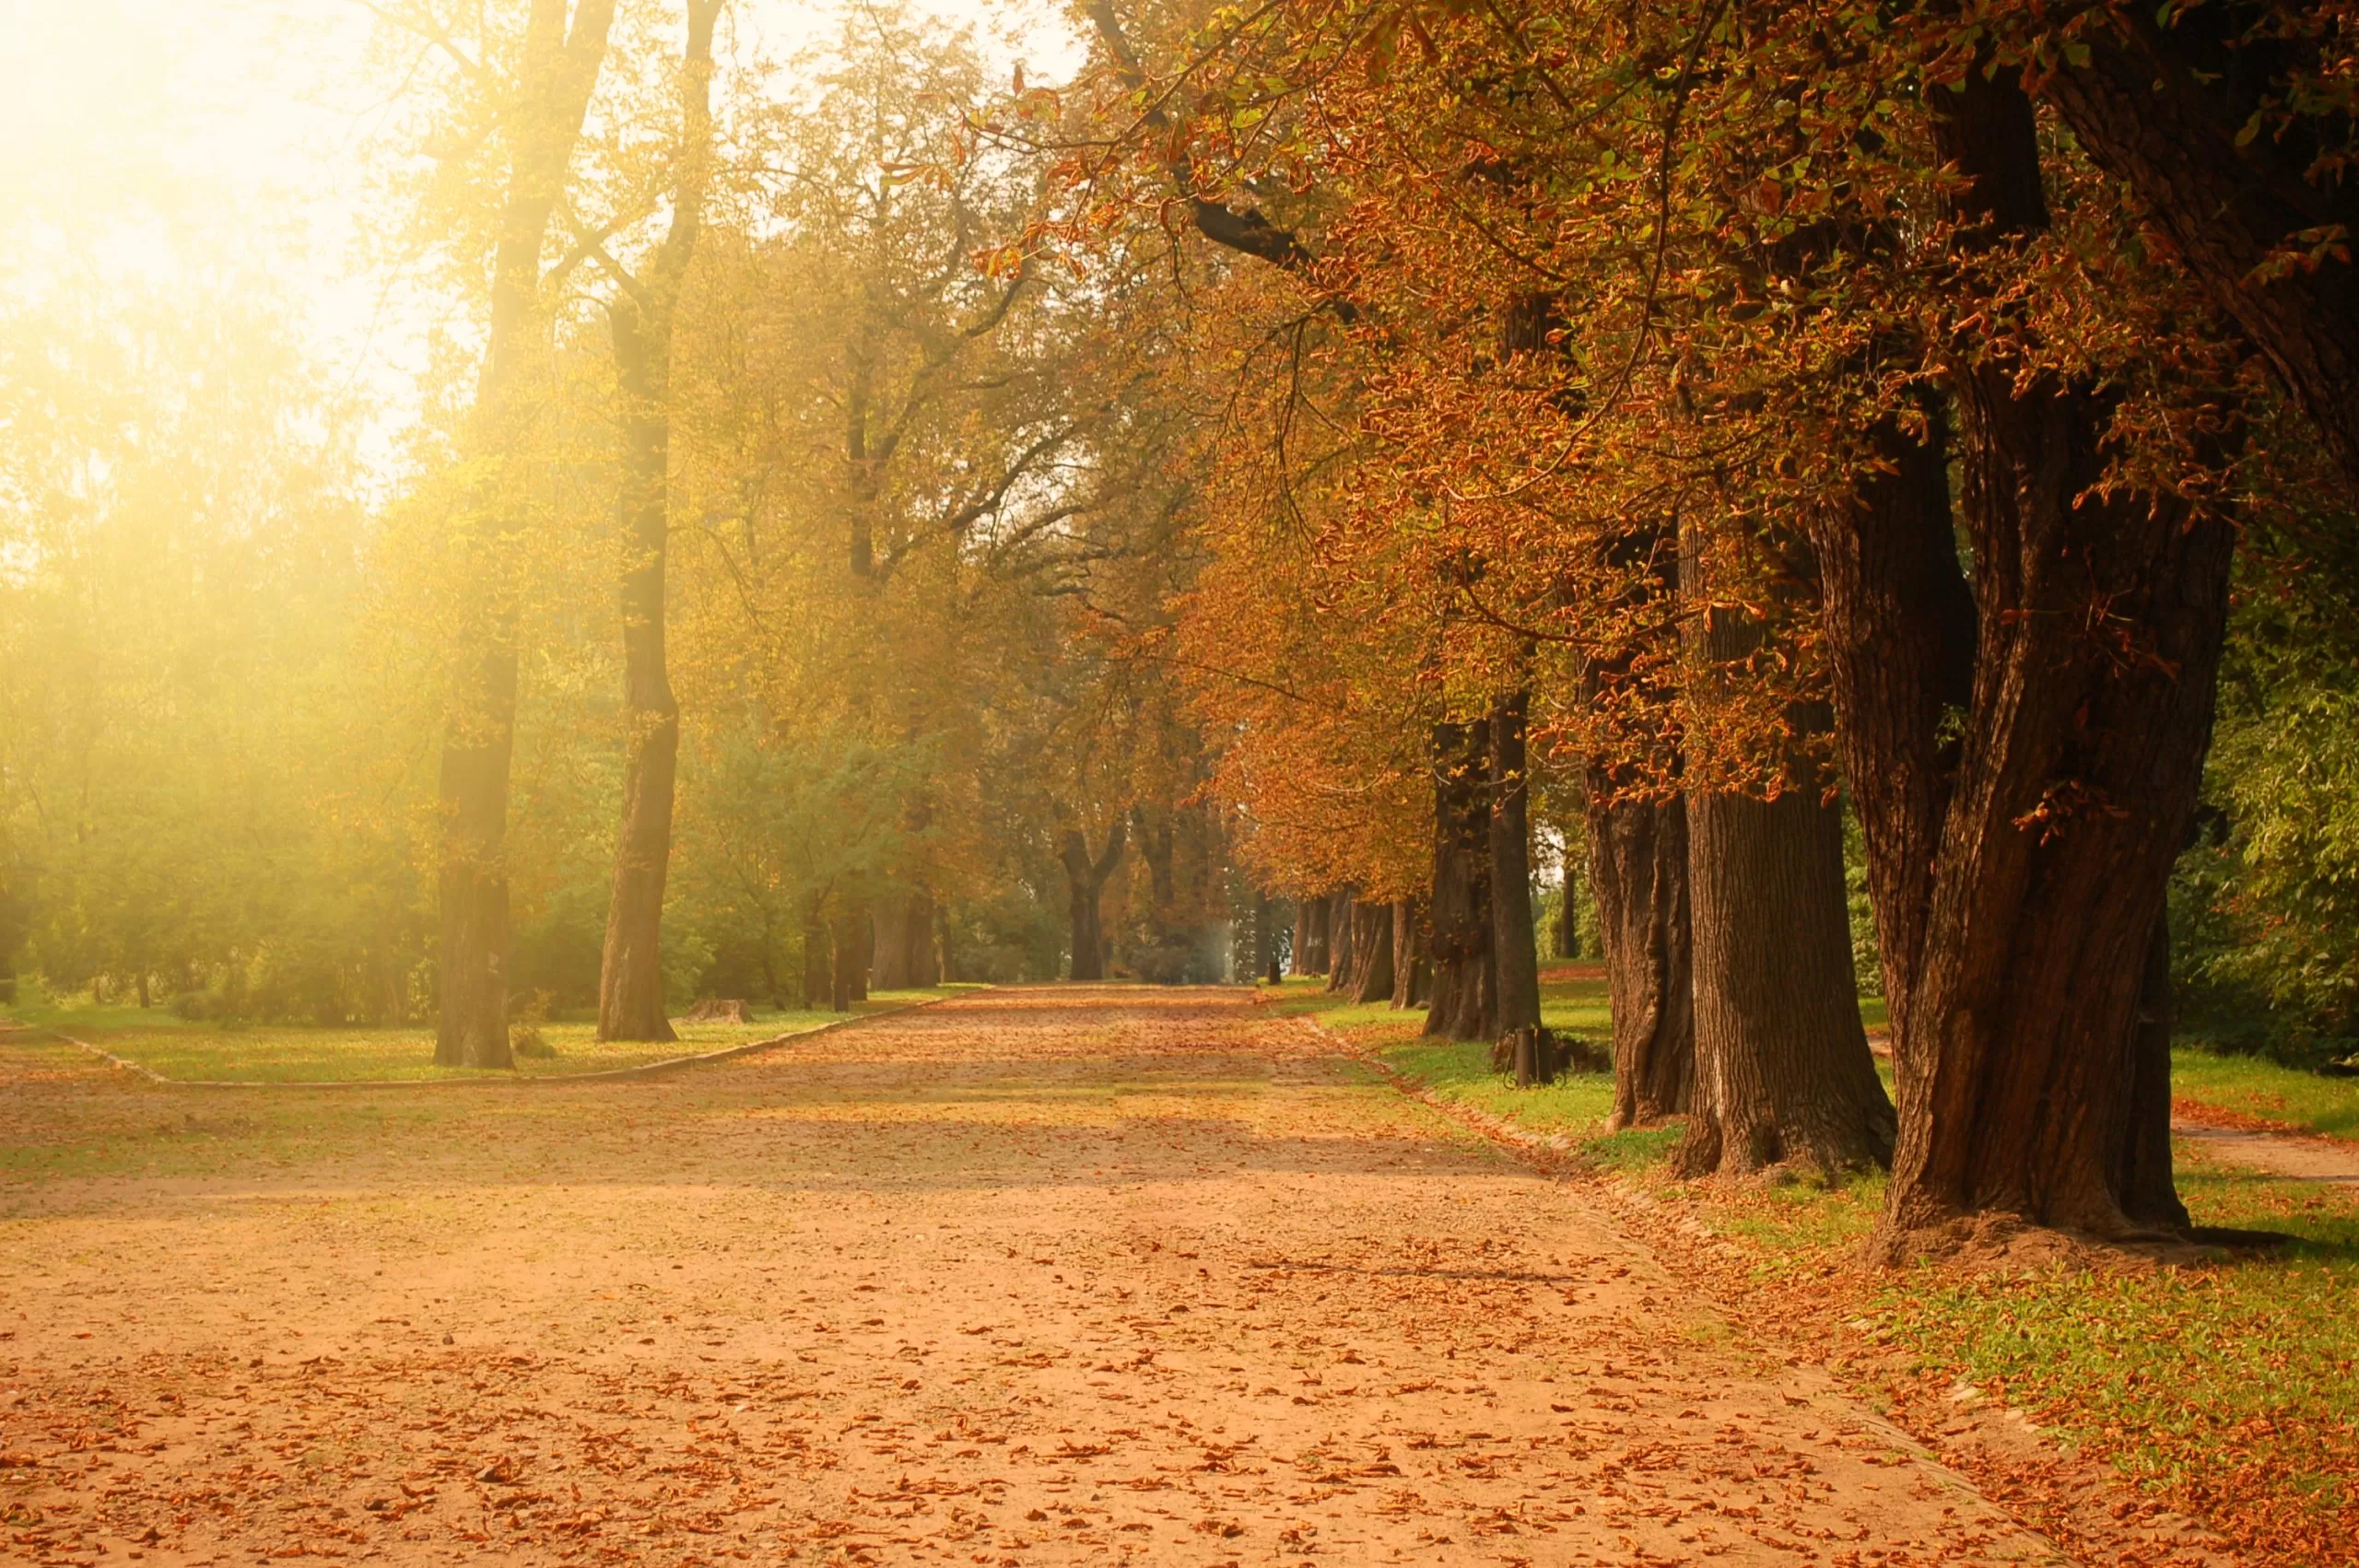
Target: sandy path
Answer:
pixel 2291 1156
pixel 1035 1277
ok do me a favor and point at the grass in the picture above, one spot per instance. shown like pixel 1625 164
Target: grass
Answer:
pixel 2231 1389
pixel 2226 1389
pixel 2263 1090
pixel 286 1053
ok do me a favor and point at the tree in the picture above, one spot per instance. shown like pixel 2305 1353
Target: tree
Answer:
pixel 631 974
pixel 1086 879
pixel 558 68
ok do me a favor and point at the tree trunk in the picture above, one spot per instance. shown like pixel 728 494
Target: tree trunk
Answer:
pixel 944 947
pixel 1463 1004
pixel 1085 880
pixel 1412 972
pixel 2015 992
pixel 1565 934
pixel 1372 947
pixel 2165 109
pixel 863 951
pixel 1514 945
pixel 1298 955
pixel 921 964
pixel 1318 911
pixel 818 982
pixel 844 959
pixel 558 70
pixel 904 942
pixel 631 971
pixel 1265 944
pixel 472 977
pixel 1340 954
pixel 1638 870
pixel 1783 1068
pixel 2143 1158
pixel 1783 1074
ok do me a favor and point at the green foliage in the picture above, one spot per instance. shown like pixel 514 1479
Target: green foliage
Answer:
pixel 2265 907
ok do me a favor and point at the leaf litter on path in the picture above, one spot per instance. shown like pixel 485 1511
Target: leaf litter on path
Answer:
pixel 1038 1276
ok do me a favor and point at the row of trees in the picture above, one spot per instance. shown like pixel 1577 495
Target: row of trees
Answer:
pixel 1765 406
pixel 750 411
pixel 869 521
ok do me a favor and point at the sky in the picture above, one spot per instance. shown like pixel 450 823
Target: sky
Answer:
pixel 142 140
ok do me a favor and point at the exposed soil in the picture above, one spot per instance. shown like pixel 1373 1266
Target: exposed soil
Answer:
pixel 2289 1155
pixel 1039 1276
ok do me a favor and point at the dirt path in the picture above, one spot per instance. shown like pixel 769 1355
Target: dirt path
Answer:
pixel 1039 1276
pixel 2290 1156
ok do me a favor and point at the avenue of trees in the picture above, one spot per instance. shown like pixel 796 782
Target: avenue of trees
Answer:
pixel 1827 496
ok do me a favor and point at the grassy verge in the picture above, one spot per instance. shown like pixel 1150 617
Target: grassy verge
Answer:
pixel 284 1053
pixel 2227 1388
pixel 2248 1089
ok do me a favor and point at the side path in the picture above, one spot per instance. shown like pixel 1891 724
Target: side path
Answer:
pixel 1043 1276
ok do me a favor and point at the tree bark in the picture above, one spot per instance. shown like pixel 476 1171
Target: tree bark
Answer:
pixel 1298 955
pixel 1565 933
pixel 2098 622
pixel 1463 1005
pixel 560 68
pixel 1514 944
pixel 2142 1149
pixel 1265 944
pixel 1341 956
pixel 1783 1074
pixel 1372 929
pixel 1639 869
pixel 1412 971
pixel 1085 880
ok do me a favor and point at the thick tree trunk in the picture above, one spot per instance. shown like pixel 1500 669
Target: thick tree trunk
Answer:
pixel 1412 971
pixel 1341 973
pixel 2165 109
pixel 1783 1074
pixel 2141 1172
pixel 1638 870
pixel 1372 950
pixel 1514 944
pixel 559 67
pixel 1298 953
pixel 1086 881
pixel 1463 1005
pixel 2099 616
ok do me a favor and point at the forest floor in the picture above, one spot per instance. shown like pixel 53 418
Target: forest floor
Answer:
pixel 1031 1276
